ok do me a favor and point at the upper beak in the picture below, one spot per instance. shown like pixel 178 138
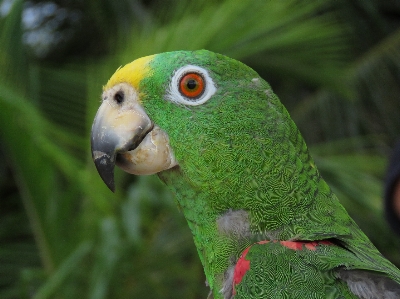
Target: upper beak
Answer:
pixel 114 131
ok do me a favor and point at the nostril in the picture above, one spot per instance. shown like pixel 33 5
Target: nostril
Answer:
pixel 119 97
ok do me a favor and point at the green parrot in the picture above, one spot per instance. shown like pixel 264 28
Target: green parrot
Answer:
pixel 264 222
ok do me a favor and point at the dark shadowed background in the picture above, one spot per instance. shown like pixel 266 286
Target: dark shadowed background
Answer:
pixel 335 64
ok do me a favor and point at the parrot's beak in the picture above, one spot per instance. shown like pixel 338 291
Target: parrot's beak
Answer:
pixel 123 134
pixel 116 132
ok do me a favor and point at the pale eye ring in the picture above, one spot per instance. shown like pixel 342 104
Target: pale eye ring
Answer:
pixel 191 85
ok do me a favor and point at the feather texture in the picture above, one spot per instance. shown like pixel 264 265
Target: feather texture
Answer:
pixel 265 223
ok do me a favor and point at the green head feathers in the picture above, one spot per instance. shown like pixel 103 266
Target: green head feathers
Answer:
pixel 239 146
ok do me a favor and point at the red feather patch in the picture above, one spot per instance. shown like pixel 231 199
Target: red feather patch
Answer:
pixel 243 265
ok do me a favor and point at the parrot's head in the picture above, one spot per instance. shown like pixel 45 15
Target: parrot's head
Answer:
pixel 197 111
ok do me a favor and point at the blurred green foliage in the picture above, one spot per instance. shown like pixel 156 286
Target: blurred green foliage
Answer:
pixel 335 64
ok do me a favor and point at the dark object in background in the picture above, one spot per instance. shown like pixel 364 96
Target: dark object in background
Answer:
pixel 392 184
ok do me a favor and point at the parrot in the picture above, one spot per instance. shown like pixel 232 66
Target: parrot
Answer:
pixel 264 222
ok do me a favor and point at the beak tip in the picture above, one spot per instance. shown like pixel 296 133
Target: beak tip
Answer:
pixel 108 179
pixel 111 186
pixel 105 167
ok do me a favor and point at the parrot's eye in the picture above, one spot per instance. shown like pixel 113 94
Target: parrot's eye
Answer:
pixel 191 85
pixel 119 97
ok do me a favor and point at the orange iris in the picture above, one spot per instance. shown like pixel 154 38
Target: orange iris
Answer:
pixel 191 85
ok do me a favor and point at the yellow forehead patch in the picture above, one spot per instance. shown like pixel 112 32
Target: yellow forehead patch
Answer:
pixel 131 73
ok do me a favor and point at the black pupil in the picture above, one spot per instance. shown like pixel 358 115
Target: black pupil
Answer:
pixel 119 97
pixel 191 84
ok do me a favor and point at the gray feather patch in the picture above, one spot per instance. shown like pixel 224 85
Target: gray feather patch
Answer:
pixel 370 285
pixel 235 224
